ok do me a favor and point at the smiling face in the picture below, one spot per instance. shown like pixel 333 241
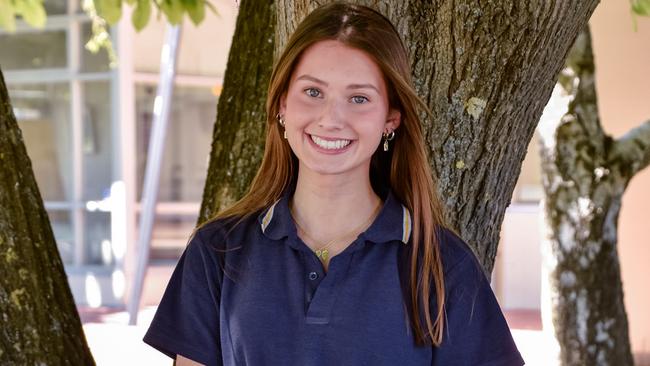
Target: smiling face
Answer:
pixel 335 109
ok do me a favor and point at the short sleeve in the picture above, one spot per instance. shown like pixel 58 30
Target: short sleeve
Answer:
pixel 475 332
pixel 187 319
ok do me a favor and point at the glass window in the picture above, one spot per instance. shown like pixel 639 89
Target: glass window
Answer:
pixel 170 235
pixel 61 222
pixel 187 142
pixel 97 143
pixel 97 238
pixel 55 7
pixel 33 50
pixel 91 62
pixel 43 113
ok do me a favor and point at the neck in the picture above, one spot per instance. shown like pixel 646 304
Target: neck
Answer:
pixel 327 206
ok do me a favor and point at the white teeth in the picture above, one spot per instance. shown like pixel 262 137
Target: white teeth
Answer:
pixel 330 145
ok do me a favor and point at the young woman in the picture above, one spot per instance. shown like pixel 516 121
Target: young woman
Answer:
pixel 337 255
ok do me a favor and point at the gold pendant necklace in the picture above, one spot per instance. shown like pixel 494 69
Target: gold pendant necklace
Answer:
pixel 323 252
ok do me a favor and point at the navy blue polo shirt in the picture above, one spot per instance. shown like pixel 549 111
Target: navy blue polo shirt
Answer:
pixel 255 294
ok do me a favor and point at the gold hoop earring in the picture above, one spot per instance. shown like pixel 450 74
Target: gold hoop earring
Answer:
pixel 388 136
pixel 282 123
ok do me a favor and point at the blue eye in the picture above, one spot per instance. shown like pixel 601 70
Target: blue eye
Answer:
pixel 313 92
pixel 358 99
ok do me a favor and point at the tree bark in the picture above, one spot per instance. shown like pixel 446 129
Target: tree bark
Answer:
pixel 486 71
pixel 239 131
pixel 39 321
pixel 585 173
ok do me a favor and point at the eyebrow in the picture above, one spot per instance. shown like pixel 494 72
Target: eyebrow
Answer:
pixel 351 86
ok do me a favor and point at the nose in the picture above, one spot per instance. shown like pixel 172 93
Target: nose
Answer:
pixel 333 117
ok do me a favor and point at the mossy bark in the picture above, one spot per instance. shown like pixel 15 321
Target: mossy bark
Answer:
pixel 486 71
pixel 39 323
pixel 239 131
pixel 585 173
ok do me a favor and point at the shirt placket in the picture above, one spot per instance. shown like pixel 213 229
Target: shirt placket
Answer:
pixel 321 289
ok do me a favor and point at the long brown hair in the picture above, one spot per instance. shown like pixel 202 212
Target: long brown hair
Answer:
pixel 405 167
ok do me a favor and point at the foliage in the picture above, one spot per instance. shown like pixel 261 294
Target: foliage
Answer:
pixel 100 37
pixel 174 10
pixel 639 7
pixel 32 11
pixel 104 13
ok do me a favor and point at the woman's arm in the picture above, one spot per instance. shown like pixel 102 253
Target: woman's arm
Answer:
pixel 476 332
pixel 182 361
pixel 187 319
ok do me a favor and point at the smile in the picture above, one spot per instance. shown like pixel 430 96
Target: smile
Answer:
pixel 330 144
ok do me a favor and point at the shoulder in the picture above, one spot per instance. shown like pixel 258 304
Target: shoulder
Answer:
pixel 458 259
pixel 476 332
pixel 223 233
pixel 453 249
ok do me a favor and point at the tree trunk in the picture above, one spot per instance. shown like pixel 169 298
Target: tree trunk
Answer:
pixel 585 173
pixel 486 71
pixel 39 321
pixel 238 137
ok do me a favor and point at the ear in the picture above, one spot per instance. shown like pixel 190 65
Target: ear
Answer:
pixel 283 103
pixel 393 119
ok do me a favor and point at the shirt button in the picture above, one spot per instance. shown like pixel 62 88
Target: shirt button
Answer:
pixel 313 276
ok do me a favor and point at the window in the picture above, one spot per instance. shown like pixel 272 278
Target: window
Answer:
pixel 61 95
pixel 33 50
pixel 43 113
pixel 184 164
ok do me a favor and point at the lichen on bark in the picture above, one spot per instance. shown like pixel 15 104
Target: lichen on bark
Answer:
pixel 585 173
pixel 238 137
pixel 40 323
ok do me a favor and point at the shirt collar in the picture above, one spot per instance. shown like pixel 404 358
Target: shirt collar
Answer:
pixel 393 223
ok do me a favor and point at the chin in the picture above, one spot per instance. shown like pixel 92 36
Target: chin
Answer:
pixel 327 170
pixel 335 169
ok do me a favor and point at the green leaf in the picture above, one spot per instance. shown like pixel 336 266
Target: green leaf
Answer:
pixel 173 9
pixel 110 10
pixel 7 16
pixel 32 12
pixel 641 7
pixel 195 9
pixel 212 8
pixel 141 14
pixel 131 2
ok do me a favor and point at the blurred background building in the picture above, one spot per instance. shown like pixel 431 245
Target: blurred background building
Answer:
pixel 87 126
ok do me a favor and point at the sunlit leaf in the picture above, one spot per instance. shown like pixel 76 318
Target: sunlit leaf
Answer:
pixel 110 10
pixel 195 9
pixel 641 7
pixel 173 9
pixel 141 14
pixel 7 15
pixel 32 12
pixel 211 7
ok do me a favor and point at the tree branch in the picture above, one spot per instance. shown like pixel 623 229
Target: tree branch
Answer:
pixel 578 79
pixel 632 151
